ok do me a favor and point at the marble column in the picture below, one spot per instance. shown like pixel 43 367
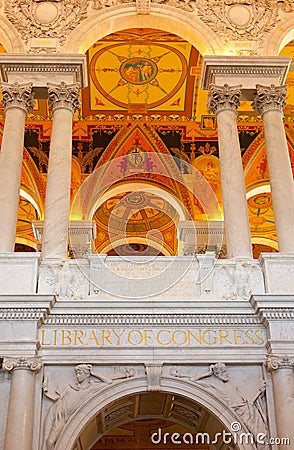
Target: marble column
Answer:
pixel 281 368
pixel 223 101
pixel 20 417
pixel 18 100
pixel 270 102
pixel 63 100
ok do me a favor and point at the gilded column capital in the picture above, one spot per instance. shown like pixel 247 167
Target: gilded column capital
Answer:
pixel 269 98
pixel 64 96
pixel 18 96
pixel 275 362
pixel 33 364
pixel 224 97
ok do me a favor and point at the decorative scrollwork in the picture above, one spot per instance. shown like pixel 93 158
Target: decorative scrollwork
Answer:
pixel 46 19
pixel 33 364
pixel 64 96
pixel 18 96
pixel 269 98
pixel 223 97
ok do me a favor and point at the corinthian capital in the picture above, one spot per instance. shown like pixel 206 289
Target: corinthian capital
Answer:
pixel 17 96
pixel 223 97
pixel 269 98
pixel 274 362
pixel 64 96
pixel 33 364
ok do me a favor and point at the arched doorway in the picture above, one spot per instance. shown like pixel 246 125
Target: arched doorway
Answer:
pixel 132 404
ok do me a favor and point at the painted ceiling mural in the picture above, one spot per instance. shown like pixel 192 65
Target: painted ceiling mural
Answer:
pixel 144 99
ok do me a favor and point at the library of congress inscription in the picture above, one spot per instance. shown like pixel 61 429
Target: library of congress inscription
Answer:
pixel 139 337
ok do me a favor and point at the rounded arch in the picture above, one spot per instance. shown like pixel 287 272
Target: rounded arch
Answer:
pixel 137 240
pixel 174 20
pixel 10 38
pixel 112 393
pixel 265 241
pixel 279 37
pixel 135 186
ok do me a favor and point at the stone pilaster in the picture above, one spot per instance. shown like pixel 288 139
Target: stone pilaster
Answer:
pixel 224 101
pixel 281 367
pixel 18 100
pixel 270 102
pixel 63 100
pixel 20 417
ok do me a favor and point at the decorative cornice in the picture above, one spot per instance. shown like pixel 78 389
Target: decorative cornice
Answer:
pixel 269 98
pixel 18 96
pixel 275 362
pixel 224 97
pixel 64 96
pixel 152 320
pixel 33 364
pixel 23 314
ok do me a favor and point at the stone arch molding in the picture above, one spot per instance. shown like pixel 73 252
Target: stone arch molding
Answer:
pixel 137 385
pixel 124 16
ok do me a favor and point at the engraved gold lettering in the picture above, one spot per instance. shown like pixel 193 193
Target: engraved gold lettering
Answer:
pixel 179 333
pixel 261 338
pixel 158 337
pixel 237 337
pixel 223 335
pixel 135 337
pixel 105 334
pixel 248 333
pixel 65 337
pixel 77 336
pixel 92 337
pixel 118 335
pixel 147 336
pixel 209 342
pixel 43 339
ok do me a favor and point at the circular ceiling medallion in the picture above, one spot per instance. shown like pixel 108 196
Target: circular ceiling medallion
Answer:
pixel 136 199
pixel 46 13
pixel 261 201
pixel 138 70
pixel 239 15
pixel 144 74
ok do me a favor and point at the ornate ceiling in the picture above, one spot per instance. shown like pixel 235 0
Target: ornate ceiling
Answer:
pixel 144 99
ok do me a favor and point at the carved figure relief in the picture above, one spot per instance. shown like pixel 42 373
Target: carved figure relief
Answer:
pixel 46 19
pixel 236 282
pixel 251 410
pixel 67 401
pixel 65 280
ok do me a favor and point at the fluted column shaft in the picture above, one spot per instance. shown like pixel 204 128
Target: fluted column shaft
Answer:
pixel 20 417
pixel 281 368
pixel 18 101
pixel 223 102
pixel 270 102
pixel 64 100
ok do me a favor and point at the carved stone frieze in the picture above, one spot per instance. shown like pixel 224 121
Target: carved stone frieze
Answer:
pixel 275 362
pixel 223 97
pixel 269 98
pixel 71 397
pixel 18 96
pixel 250 408
pixel 33 364
pixel 46 19
pixel 65 96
